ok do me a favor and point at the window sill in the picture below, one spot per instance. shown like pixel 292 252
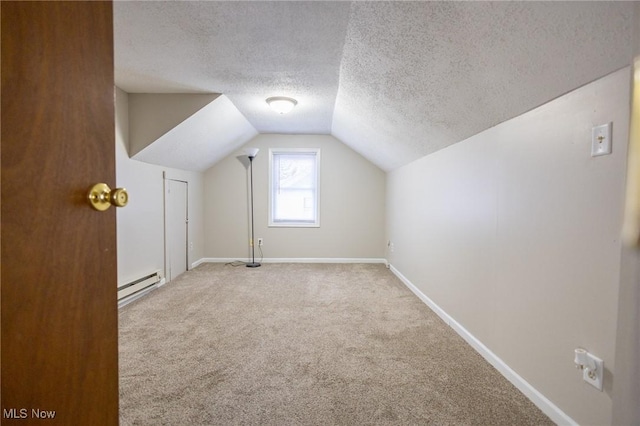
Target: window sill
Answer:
pixel 294 225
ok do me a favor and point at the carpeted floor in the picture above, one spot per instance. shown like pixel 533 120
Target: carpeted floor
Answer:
pixel 303 344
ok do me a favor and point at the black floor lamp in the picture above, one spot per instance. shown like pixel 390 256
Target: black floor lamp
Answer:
pixel 251 153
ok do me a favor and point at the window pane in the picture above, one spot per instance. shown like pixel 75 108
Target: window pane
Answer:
pixel 296 171
pixel 295 205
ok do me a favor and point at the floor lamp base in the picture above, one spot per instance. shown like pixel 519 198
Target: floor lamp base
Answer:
pixel 253 264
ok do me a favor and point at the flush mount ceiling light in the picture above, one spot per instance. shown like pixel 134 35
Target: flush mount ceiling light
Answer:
pixel 281 104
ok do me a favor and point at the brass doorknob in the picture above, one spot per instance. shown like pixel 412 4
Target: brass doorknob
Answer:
pixel 119 197
pixel 101 197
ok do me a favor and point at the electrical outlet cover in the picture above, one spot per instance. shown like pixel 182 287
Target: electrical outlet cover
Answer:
pixel 596 382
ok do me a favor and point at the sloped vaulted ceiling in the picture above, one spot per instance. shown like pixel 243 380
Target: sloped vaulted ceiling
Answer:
pixel 185 131
pixel 393 80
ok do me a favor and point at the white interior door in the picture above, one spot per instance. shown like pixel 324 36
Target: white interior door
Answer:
pixel 177 227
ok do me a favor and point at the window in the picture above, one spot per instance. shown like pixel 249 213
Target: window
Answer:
pixel 294 187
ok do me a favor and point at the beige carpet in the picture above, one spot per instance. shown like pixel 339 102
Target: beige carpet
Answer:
pixel 302 344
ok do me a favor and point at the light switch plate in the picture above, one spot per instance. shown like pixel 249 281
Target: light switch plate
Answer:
pixel 601 140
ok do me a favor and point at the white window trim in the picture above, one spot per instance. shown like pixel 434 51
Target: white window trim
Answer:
pixel 273 224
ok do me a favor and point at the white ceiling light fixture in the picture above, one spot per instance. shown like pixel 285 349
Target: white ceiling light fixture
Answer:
pixel 281 104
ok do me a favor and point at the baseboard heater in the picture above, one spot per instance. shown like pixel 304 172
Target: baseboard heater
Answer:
pixel 138 285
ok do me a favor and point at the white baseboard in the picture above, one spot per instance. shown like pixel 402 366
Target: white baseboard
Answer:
pixel 197 263
pixel 544 404
pixel 292 260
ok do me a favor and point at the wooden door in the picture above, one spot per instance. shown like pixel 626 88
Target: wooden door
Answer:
pixel 59 315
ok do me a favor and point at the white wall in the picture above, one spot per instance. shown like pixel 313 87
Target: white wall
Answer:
pixel 514 232
pixel 140 225
pixel 351 205
pixel 155 114
pixel 626 388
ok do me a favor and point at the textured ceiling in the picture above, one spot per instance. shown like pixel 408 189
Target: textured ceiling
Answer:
pixel 393 80
pixel 246 50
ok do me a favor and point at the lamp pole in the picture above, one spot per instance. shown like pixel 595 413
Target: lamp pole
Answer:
pixel 253 263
